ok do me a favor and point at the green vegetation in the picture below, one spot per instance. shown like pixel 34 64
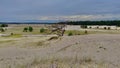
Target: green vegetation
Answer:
pixel 25 29
pixel 13 36
pixel 6 41
pixel 1 29
pixel 4 25
pixel 86 32
pixel 90 27
pixel 70 34
pixel 109 28
pixel 83 26
pixel 30 29
pixel 114 22
pixel 105 28
pixel 40 43
pixel 42 30
pixel 75 32
pixel 16 35
pixel 34 30
pixel 97 27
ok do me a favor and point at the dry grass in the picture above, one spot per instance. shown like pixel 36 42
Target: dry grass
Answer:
pixel 6 41
pixel 99 45
pixel 64 63
pixel 75 52
pixel 40 43
pixel 36 31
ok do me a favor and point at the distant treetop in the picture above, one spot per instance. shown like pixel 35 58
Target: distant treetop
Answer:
pixel 114 22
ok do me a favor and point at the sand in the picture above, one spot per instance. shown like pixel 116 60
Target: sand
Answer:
pixel 98 47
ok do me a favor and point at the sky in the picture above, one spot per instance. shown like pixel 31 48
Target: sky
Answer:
pixel 74 10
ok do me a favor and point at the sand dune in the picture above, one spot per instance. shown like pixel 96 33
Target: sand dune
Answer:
pixel 100 48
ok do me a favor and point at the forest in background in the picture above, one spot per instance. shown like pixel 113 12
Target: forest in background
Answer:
pixel 110 23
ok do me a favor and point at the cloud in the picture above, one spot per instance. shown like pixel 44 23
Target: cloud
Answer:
pixel 59 9
pixel 82 17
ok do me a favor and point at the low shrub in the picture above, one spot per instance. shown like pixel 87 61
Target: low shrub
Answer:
pixel 40 43
pixel 105 28
pixel 97 27
pixel 42 30
pixel 86 31
pixel 84 26
pixel 109 28
pixel 90 27
pixel 70 34
pixel 25 29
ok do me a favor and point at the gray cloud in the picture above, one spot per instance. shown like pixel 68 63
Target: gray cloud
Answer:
pixel 32 9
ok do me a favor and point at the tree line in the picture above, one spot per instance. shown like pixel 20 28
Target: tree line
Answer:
pixel 2 27
pixel 110 23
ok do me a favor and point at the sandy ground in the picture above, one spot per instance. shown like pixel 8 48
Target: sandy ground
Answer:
pixel 98 47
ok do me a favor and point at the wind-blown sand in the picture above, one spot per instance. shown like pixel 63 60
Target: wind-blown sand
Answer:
pixel 100 48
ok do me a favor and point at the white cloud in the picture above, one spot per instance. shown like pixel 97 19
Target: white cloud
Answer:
pixel 82 17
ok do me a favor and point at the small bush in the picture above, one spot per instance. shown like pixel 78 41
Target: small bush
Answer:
pixel 25 29
pixel 97 27
pixel 2 30
pixel 83 26
pixel 90 27
pixel 70 34
pixel 86 31
pixel 87 60
pixel 42 30
pixel 109 28
pixel 105 28
pixel 11 33
pixel 40 43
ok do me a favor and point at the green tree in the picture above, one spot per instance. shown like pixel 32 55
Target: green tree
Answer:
pixel 30 29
